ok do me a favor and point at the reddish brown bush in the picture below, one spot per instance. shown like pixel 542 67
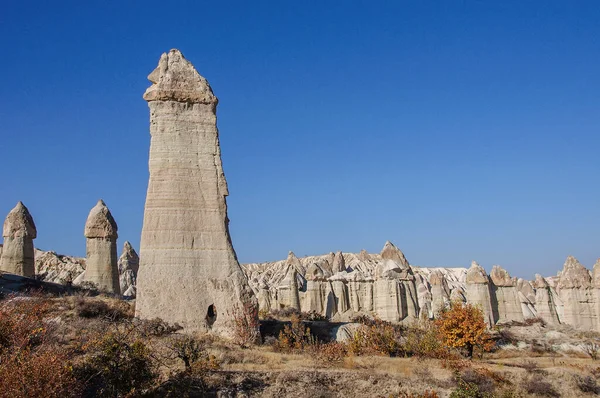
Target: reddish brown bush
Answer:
pixel 42 373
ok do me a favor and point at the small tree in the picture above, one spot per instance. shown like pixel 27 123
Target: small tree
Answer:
pixel 463 326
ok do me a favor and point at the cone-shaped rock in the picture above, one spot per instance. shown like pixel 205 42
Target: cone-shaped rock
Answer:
pixel 189 272
pixel 391 252
pixel 339 264
pixel 19 232
pixel 575 291
pixel 101 249
pixel 129 263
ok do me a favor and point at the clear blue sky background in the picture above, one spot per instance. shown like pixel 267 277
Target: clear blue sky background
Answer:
pixel 459 130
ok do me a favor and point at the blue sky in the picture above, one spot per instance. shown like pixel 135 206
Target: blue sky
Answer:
pixel 458 130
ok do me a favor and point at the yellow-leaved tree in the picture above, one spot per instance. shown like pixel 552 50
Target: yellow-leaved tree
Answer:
pixel 463 326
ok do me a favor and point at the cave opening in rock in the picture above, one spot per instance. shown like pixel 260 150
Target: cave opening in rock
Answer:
pixel 211 315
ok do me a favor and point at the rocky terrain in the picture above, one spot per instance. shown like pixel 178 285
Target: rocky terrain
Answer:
pixel 340 286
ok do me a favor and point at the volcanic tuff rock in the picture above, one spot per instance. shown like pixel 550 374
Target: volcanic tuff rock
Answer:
pixel 128 265
pixel 189 272
pixel 101 249
pixel 478 291
pixel 379 284
pixel 19 232
pixel 578 298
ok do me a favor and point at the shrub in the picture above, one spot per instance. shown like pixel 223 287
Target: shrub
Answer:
pixel 380 337
pixel 329 354
pixel 294 337
pixel 537 385
pixel 424 394
pixel 463 326
pixel 118 364
pixel 156 327
pixel 592 349
pixel 42 373
pixel 29 367
pixel 22 322
pixel 90 308
pixel 587 384
pixel 467 390
pixel 535 320
pixel 484 383
pixel 246 324
pixel 424 342
pixel 192 352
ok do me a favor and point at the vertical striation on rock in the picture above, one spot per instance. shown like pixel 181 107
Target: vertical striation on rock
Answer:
pixel 101 249
pixel 505 296
pixel 575 290
pixel 19 231
pixel 189 272
pixel 478 291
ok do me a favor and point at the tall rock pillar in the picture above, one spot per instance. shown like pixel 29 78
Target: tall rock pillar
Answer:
pixel 189 272
pixel 18 232
pixel 478 291
pixel 101 249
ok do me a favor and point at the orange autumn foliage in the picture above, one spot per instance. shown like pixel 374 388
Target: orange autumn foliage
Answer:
pixel 463 326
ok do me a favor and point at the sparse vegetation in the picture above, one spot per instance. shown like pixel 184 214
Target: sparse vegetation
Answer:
pixel 90 347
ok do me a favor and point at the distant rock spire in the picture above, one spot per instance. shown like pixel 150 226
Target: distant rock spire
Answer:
pixel 129 263
pixel 391 252
pixel 101 249
pixel 339 264
pixel 18 252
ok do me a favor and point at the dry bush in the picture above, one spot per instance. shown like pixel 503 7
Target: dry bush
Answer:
pixel 591 348
pixel 505 336
pixel 463 326
pixel 536 385
pixel 246 325
pixel 41 373
pixel 380 337
pixel 284 313
pixel 294 337
pixel 93 308
pixel 118 363
pixel 424 341
pixel 22 322
pixel 329 354
pixel 32 367
pixel 192 352
pixel 424 394
pixel 468 390
pixel 534 321
pixel 587 384
pixel 156 327
pixel 485 384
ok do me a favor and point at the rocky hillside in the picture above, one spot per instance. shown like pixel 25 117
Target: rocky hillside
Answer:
pixel 340 286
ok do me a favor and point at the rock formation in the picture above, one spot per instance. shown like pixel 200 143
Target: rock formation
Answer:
pixel 189 272
pixel 101 249
pixel 506 305
pixel 19 232
pixel 478 291
pixel 128 265
pixel 545 301
pixel 575 290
